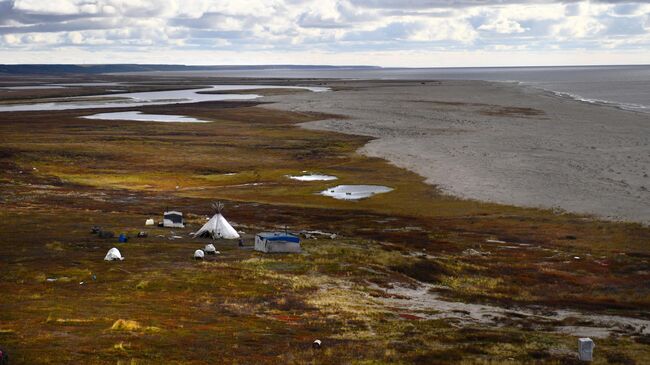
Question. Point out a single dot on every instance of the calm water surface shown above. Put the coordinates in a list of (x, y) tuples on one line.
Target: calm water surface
[(624, 86)]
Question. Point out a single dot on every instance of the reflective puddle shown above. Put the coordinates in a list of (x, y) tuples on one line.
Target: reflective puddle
[(355, 192), (312, 177), (139, 116)]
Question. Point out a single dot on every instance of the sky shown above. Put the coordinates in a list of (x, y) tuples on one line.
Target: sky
[(393, 33)]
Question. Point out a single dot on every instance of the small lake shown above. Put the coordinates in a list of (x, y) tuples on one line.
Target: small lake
[(355, 192), (83, 84), (313, 177), (128, 100), (139, 116), (35, 87)]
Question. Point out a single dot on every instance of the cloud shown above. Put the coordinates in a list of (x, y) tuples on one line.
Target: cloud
[(503, 26), (342, 27)]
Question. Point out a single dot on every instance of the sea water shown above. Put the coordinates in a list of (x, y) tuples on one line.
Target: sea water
[(627, 87)]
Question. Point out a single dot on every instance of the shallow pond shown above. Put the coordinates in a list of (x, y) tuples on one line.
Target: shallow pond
[(312, 177), (355, 192), (75, 84), (139, 116), (127, 100), (35, 87)]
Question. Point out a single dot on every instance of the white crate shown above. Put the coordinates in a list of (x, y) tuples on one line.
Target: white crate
[(586, 349)]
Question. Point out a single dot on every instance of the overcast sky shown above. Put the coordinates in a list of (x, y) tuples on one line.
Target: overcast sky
[(410, 33)]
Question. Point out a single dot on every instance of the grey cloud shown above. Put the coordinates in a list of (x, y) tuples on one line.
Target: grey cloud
[(623, 26), (571, 10), (68, 26), (347, 17), (206, 21), (387, 25), (432, 4), (212, 34), (391, 32), (309, 20), (626, 9), (438, 13), (8, 13)]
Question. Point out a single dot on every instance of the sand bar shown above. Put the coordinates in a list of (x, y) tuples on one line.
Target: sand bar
[(498, 142)]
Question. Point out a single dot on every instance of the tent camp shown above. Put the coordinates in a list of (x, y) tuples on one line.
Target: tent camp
[(271, 242), (217, 226), (173, 219), (113, 254)]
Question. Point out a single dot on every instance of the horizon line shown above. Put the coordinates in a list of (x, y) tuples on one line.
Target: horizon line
[(317, 65)]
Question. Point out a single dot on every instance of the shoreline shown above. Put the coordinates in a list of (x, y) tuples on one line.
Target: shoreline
[(629, 107), (462, 137)]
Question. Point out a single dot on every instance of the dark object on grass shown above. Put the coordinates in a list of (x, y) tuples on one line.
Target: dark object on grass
[(570, 237), (241, 242), (316, 344), (142, 234), (123, 238), (4, 358), (95, 229), (173, 219), (105, 234)]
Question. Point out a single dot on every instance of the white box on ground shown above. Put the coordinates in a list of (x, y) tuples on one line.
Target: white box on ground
[(586, 349)]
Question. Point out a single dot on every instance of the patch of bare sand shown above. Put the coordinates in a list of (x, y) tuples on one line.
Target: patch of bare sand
[(498, 142), (422, 301)]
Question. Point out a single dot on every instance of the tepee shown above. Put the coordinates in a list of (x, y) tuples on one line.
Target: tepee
[(217, 226)]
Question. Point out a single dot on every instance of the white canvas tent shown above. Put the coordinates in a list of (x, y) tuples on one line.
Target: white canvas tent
[(113, 254), (210, 249), (217, 227)]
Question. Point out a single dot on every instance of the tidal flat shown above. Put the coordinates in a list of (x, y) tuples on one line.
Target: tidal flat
[(414, 275)]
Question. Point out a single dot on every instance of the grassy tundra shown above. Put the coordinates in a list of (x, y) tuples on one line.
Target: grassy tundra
[(361, 292)]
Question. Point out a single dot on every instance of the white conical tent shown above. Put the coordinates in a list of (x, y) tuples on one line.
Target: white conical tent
[(218, 227)]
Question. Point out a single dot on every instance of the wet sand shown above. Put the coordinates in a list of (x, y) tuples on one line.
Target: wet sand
[(497, 142)]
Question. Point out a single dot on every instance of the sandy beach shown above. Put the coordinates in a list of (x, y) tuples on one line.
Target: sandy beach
[(497, 142)]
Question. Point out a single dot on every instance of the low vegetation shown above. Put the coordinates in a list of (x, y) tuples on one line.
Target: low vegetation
[(61, 303)]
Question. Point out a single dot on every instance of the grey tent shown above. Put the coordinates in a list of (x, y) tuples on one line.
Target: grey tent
[(173, 219), (272, 242)]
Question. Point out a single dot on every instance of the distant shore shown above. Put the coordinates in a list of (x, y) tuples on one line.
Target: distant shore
[(498, 142)]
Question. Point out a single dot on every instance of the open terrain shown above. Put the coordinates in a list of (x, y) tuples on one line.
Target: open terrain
[(410, 276), (500, 142)]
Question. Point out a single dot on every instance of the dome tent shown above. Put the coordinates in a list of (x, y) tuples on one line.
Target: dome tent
[(210, 249), (217, 226), (113, 254), (199, 254)]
